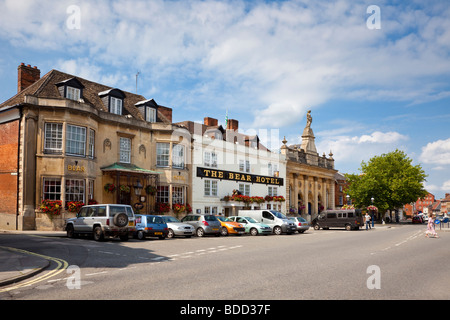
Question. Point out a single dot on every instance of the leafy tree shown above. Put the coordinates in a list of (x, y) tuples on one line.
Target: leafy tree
[(390, 179)]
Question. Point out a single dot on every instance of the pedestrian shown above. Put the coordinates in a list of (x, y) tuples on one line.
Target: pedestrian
[(431, 230), (367, 216)]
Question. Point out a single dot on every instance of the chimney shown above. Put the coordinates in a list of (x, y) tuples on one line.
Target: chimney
[(232, 124), (210, 122), (27, 75)]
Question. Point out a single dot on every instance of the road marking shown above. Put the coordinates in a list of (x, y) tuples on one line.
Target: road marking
[(61, 266)]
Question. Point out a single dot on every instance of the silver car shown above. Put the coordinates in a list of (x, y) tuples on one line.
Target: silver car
[(203, 224), (301, 223), (178, 228)]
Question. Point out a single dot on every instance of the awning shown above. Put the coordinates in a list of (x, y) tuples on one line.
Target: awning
[(129, 168)]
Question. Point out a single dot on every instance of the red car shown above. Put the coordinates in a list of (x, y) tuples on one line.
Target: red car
[(417, 219)]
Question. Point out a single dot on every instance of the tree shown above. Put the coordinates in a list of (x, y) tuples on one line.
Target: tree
[(390, 179)]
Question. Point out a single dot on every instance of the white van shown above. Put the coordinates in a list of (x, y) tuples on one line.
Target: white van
[(276, 220)]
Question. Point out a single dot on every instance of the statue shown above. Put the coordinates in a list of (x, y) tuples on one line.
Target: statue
[(308, 119)]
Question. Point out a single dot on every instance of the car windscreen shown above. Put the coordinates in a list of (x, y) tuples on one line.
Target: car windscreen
[(278, 214), (224, 219), (251, 220)]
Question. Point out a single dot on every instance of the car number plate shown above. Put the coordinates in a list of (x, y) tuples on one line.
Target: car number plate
[(131, 223), (215, 229), (158, 233)]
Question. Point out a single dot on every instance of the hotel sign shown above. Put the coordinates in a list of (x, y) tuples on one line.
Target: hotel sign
[(237, 176)]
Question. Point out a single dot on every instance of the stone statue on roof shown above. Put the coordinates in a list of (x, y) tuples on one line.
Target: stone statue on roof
[(308, 119)]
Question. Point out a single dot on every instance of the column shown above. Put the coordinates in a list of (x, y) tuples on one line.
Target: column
[(294, 194), (305, 196), (315, 199), (332, 195), (324, 194)]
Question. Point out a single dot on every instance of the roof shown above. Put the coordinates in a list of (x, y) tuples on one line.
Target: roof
[(125, 167), (46, 87)]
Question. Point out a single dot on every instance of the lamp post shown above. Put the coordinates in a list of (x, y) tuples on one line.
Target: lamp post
[(138, 188), (373, 220), (348, 199)]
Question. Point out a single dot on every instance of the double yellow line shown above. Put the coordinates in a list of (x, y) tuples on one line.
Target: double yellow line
[(61, 266)]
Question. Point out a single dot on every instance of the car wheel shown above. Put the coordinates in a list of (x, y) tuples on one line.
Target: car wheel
[(316, 227), (348, 227), (121, 219), (98, 234), (141, 235), (70, 231), (170, 234), (224, 231), (253, 232), (200, 232), (277, 230)]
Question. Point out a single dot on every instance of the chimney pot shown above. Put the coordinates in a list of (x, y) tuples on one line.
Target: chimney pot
[(27, 76), (233, 124)]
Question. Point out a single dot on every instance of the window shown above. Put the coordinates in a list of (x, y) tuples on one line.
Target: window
[(75, 140), (162, 196), (210, 159), (91, 143), (177, 195), (244, 189), (210, 210), (75, 190), (178, 156), (210, 188), (244, 165), (115, 105), (273, 191), (272, 169), (90, 190), (125, 150), (150, 114), (52, 189), (73, 93), (162, 154), (53, 137)]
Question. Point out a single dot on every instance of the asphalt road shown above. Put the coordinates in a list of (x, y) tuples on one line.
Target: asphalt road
[(384, 263)]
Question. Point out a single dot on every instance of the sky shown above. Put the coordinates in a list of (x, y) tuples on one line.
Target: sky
[(375, 74)]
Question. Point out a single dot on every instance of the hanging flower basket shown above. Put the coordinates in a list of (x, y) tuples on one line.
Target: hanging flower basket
[(372, 208), (110, 187), (151, 190), (162, 207), (124, 188), (178, 208), (52, 207)]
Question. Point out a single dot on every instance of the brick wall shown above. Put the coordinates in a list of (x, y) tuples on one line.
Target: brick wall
[(9, 145)]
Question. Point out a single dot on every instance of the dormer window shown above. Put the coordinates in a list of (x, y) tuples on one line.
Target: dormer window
[(113, 100), (148, 109), (71, 89)]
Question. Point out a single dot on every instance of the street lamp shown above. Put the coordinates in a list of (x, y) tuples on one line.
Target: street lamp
[(348, 199), (138, 188)]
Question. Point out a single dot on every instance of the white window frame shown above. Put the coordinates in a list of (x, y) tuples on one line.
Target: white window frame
[(163, 194), (53, 137), (272, 191), (210, 159), (91, 143), (75, 140), (178, 156), (124, 150), (210, 188), (115, 105), (244, 189), (177, 195), (150, 114), (73, 93), (75, 190), (244, 166), (162, 154), (52, 185)]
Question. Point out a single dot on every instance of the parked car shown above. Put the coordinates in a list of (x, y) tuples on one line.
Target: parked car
[(203, 224), (348, 219), (178, 228), (276, 220), (301, 223), (102, 220), (252, 226), (230, 227), (417, 219), (150, 226)]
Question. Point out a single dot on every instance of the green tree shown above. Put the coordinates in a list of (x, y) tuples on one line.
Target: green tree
[(390, 179)]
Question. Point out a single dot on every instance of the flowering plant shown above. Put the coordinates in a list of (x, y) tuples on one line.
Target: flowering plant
[(278, 198), (92, 201), (74, 206), (110, 187), (346, 206), (188, 208), (51, 206), (178, 208), (372, 208), (162, 207)]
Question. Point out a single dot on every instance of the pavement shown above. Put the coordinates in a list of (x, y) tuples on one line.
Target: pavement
[(17, 265)]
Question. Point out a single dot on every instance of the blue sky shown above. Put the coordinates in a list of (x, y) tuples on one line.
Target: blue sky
[(265, 62)]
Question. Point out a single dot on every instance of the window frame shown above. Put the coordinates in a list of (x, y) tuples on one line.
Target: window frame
[(69, 141), (124, 153), (161, 160), (53, 144), (114, 108)]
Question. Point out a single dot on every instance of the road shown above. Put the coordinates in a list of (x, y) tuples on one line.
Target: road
[(384, 263)]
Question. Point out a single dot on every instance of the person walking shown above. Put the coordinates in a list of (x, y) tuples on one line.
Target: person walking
[(431, 230), (368, 218)]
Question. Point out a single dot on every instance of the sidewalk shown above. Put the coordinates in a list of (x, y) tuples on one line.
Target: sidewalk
[(17, 265)]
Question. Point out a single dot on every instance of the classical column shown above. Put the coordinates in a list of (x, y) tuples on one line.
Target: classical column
[(295, 191), (332, 195), (315, 198), (324, 194), (305, 195)]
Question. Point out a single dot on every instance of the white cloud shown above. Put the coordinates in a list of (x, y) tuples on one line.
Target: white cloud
[(437, 152)]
